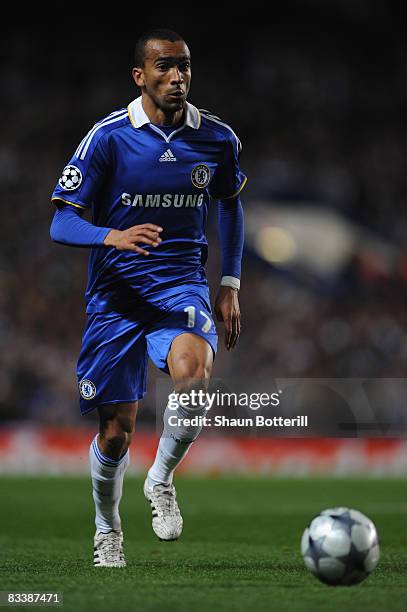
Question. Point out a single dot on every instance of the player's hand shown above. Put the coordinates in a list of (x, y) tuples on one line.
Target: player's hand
[(227, 310), (129, 239)]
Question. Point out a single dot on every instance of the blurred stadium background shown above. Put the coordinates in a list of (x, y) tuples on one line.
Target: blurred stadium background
[(318, 99)]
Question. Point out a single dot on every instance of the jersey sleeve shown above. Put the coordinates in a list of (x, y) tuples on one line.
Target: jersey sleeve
[(82, 177), (228, 180)]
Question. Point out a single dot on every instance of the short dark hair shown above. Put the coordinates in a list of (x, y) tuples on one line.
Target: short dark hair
[(153, 34)]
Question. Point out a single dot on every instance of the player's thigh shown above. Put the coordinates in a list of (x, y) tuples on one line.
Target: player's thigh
[(190, 359), (183, 343)]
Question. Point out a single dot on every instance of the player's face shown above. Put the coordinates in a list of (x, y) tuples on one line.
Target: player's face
[(166, 74)]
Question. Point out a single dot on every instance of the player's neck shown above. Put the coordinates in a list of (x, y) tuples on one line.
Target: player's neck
[(157, 115)]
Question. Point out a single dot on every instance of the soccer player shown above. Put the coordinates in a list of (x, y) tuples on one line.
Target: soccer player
[(149, 173)]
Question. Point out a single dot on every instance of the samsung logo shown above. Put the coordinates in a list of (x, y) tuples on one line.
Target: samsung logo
[(163, 199)]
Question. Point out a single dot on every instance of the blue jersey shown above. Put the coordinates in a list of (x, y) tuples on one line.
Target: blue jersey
[(130, 172)]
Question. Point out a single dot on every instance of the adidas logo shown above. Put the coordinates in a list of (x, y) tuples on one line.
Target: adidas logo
[(167, 156)]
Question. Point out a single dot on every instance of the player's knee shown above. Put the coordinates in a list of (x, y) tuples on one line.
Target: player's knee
[(115, 444), (117, 434), (193, 372), (117, 424)]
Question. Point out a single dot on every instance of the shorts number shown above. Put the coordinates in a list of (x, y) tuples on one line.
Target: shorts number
[(191, 310), (191, 315)]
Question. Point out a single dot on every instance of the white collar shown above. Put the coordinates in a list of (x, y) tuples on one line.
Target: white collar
[(138, 116)]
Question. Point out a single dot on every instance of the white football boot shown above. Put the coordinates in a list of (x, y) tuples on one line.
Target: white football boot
[(167, 520), (108, 549)]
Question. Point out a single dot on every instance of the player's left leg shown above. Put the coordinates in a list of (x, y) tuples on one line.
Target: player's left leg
[(190, 362)]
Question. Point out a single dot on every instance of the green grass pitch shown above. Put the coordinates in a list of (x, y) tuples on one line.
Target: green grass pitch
[(239, 549)]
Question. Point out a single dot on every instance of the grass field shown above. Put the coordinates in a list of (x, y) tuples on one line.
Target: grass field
[(239, 549)]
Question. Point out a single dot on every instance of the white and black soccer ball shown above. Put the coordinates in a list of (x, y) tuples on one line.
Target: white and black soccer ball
[(340, 546), (71, 178)]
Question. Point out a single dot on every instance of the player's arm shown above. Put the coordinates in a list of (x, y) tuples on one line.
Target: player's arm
[(69, 228), (227, 310), (80, 183), (225, 187)]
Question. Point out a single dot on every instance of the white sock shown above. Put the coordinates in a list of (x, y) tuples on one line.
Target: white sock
[(107, 480), (174, 444), (170, 453)]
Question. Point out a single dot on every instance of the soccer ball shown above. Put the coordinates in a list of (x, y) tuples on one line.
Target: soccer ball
[(340, 546)]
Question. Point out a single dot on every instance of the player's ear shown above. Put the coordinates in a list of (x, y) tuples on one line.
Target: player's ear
[(138, 76)]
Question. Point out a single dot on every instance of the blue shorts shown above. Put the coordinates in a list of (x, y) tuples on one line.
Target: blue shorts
[(112, 365)]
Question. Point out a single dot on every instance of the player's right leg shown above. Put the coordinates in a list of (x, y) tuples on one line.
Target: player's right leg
[(109, 459), (112, 369)]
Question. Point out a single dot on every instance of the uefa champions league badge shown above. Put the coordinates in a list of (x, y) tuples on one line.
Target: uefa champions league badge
[(87, 389), (71, 178), (200, 176)]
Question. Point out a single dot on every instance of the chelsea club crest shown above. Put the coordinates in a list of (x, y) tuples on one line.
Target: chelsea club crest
[(87, 389), (200, 176)]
